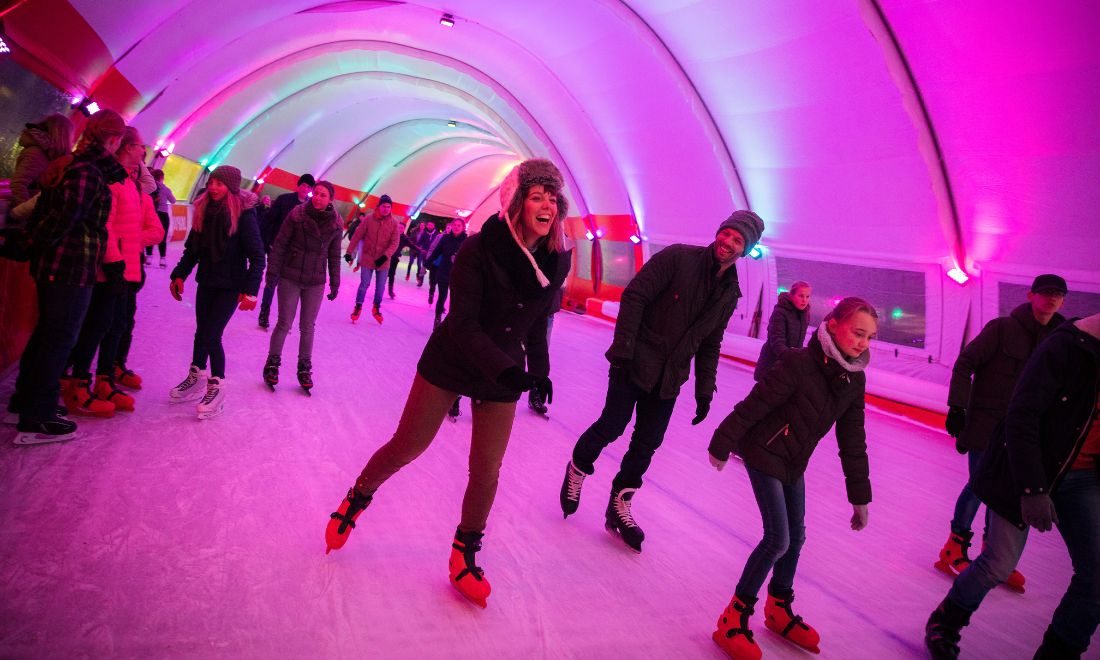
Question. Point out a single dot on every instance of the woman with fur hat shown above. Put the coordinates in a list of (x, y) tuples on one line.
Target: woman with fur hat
[(225, 244), (775, 431), (308, 241), (502, 283)]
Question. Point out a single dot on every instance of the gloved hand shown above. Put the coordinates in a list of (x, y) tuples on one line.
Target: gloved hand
[(516, 379), (176, 289), (1038, 511), (379, 261), (702, 409), (246, 303), (331, 294), (956, 421), (859, 516), (718, 464), (348, 258), (544, 386), (113, 271), (960, 447), (619, 371)]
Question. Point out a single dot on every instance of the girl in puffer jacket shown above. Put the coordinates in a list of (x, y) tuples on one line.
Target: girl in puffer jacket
[(775, 431)]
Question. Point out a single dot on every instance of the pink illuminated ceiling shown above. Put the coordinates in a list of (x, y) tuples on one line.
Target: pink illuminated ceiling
[(907, 130)]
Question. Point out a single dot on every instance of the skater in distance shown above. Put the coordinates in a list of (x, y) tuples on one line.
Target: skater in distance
[(375, 242), (786, 327), (775, 430), (308, 245), (270, 224), (491, 347), (225, 244), (676, 308)]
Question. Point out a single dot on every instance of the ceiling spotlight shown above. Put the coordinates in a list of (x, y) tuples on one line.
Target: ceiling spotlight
[(589, 235), (260, 181), (463, 213), (452, 123), (93, 107), (635, 239), (447, 20), (757, 251), (4, 47), (85, 105), (958, 274)]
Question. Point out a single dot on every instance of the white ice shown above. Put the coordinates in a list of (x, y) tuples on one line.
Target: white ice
[(155, 534)]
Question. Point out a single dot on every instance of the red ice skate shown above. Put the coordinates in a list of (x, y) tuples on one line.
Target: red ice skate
[(376, 312), (779, 618), (342, 521), (356, 312), (953, 559), (733, 635), (466, 576)]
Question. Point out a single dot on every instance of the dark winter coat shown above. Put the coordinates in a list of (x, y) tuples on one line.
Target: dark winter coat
[(272, 220), (425, 236), (38, 150), (497, 318), (779, 424), (786, 330), (304, 246), (675, 309), (1046, 424), (995, 359), (443, 256), (241, 267)]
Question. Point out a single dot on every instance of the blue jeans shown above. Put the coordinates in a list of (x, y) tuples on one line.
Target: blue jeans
[(1077, 503), (783, 512), (61, 310), (649, 430), (966, 508), (365, 275)]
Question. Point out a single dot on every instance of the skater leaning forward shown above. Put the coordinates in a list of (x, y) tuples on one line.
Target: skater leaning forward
[(775, 431), (674, 309), (503, 281), (308, 243), (224, 242)]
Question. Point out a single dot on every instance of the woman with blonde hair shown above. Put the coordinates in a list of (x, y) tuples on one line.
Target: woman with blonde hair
[(502, 283), (42, 142), (786, 327), (225, 244)]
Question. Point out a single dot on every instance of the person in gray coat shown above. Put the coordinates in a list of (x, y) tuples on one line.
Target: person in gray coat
[(981, 385), (308, 241), (676, 308), (786, 327)]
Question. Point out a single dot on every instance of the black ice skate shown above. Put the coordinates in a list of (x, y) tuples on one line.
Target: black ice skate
[(271, 371), (571, 489), (305, 375), (536, 401), (57, 429), (943, 630), (620, 522), (455, 411)]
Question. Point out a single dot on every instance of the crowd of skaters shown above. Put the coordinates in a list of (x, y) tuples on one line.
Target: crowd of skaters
[(1023, 399)]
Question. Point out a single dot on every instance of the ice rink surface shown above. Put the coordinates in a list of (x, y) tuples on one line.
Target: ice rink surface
[(157, 535)]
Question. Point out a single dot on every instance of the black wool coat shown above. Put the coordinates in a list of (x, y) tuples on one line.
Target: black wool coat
[(1046, 424), (776, 428), (994, 359), (497, 318), (442, 258), (242, 266), (786, 329), (272, 220), (675, 309)]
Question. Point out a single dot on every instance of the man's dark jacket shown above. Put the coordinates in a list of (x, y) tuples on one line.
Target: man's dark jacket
[(1046, 425), (675, 309)]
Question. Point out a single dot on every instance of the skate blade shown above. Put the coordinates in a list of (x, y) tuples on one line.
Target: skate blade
[(270, 386), (1013, 589), (614, 532), (36, 439), (946, 569), (482, 602), (203, 416)]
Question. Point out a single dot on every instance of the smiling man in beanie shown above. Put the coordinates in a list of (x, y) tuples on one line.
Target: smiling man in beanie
[(676, 308), (270, 224)]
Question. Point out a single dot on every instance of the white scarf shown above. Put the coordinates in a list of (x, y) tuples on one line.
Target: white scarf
[(828, 346), (543, 282)]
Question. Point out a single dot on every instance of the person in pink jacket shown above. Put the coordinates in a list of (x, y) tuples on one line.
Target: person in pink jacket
[(131, 225), (376, 238)]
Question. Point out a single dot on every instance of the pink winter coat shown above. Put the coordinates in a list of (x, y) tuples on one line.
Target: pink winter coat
[(132, 225)]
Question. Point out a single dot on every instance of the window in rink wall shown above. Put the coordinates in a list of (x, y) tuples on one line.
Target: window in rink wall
[(1078, 303), (617, 261), (897, 295), (24, 98), (583, 255)]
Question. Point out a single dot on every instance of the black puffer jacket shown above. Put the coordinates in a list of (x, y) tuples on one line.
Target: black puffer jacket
[(673, 310), (497, 318), (241, 268), (786, 330), (442, 258), (1046, 424), (305, 246), (995, 359), (778, 425)]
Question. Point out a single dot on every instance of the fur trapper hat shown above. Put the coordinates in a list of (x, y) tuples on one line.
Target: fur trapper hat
[(532, 172)]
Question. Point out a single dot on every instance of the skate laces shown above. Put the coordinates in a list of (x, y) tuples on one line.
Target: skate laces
[(211, 394), (576, 480), (188, 382), (622, 508)]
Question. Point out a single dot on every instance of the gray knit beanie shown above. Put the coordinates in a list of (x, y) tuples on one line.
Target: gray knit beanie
[(228, 175), (746, 223)]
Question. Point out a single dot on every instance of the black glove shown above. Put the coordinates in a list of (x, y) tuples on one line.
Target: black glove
[(619, 371), (379, 261), (348, 258), (113, 271), (956, 421), (517, 379), (961, 447), (331, 294), (1038, 511), (545, 387), (702, 409)]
